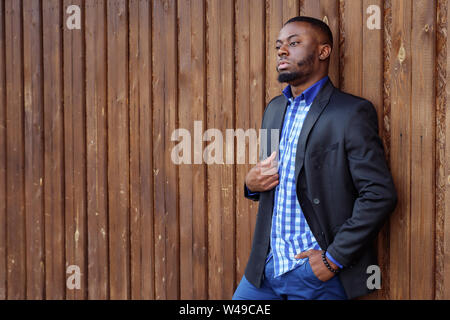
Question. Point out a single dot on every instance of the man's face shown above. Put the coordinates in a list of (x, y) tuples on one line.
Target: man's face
[(297, 51)]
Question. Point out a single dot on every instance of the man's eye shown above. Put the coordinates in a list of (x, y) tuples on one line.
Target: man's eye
[(277, 47), (293, 44)]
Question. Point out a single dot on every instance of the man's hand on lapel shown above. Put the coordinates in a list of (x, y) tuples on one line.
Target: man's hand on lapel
[(318, 267), (263, 176)]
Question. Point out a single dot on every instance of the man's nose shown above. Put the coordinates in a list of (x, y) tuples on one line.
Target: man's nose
[(283, 51)]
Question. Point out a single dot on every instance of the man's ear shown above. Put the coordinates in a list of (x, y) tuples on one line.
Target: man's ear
[(324, 51)]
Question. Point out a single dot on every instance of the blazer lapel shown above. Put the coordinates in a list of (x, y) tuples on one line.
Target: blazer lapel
[(318, 105)]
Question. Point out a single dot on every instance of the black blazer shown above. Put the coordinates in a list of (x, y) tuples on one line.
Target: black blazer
[(343, 183)]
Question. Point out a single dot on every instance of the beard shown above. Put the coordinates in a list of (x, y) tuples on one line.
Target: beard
[(299, 74)]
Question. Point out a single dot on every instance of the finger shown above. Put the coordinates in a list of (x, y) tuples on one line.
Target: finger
[(274, 164), (303, 255), (269, 171), (269, 160), (273, 155), (271, 180), (263, 163), (273, 185)]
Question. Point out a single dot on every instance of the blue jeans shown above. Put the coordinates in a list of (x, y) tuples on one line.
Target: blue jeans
[(297, 284)]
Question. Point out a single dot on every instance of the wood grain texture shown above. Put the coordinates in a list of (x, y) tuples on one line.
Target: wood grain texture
[(75, 151), (384, 237), (96, 151), (54, 151), (192, 178), (372, 90), (141, 177), (15, 171), (423, 182), (445, 192), (199, 220), (441, 269), (165, 172), (220, 177), (3, 246), (400, 245), (34, 149), (118, 149), (446, 170)]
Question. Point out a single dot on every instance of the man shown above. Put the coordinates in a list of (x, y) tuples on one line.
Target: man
[(320, 211)]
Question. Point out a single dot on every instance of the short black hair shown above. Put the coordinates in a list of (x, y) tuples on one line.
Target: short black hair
[(315, 23)]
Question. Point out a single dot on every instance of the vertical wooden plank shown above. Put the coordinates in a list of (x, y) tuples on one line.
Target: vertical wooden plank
[(118, 149), (400, 245), (186, 183), (422, 153), (446, 170), (441, 181), (442, 280), (171, 185), (250, 49), (146, 158), (135, 208), (192, 177), (15, 213), (385, 129), (327, 11), (165, 119), (55, 283), (141, 192), (34, 149), (423, 150), (199, 219), (158, 150), (372, 90), (221, 177), (3, 271), (96, 151), (352, 26), (75, 151)]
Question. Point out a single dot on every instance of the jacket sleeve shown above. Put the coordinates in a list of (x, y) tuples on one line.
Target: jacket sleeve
[(251, 195), (377, 197)]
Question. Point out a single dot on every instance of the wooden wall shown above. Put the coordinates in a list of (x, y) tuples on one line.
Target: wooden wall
[(86, 119)]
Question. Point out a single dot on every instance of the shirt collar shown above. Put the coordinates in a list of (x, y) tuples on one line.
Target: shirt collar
[(309, 94)]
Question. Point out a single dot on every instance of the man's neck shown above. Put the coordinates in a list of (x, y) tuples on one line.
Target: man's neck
[(298, 88)]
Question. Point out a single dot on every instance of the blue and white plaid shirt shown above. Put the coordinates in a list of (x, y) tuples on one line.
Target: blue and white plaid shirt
[(290, 233)]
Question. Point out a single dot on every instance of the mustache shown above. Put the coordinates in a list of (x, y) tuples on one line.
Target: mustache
[(307, 61)]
